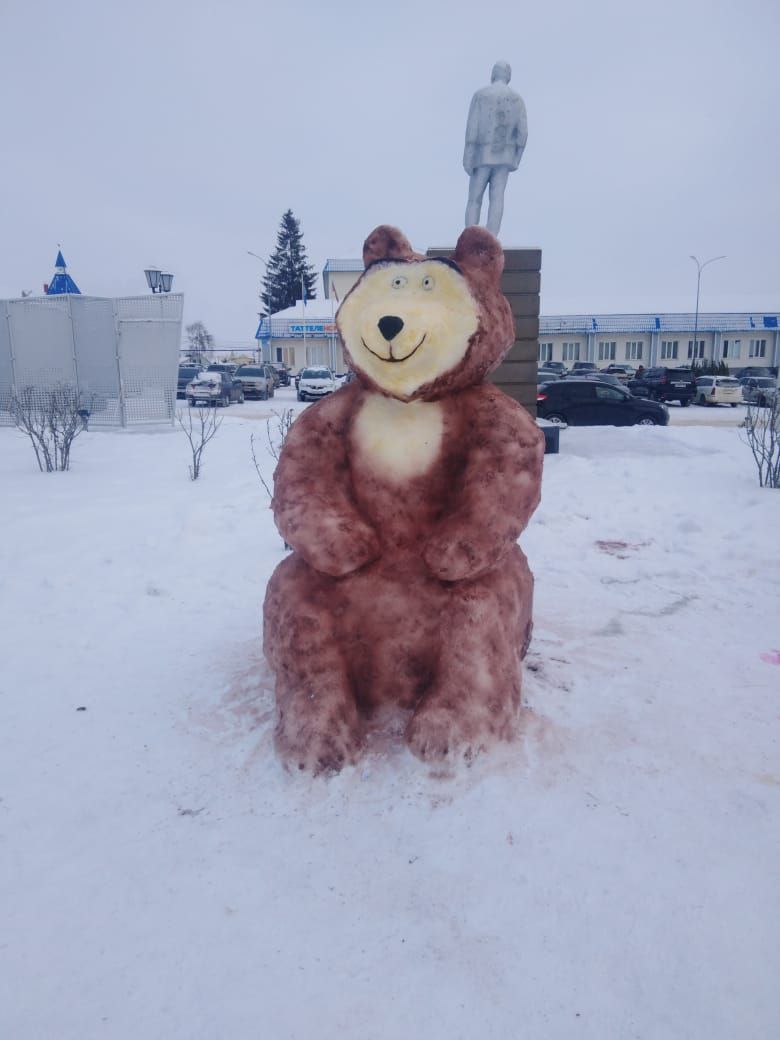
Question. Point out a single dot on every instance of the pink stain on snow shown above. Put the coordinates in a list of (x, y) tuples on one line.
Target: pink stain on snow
[(771, 656)]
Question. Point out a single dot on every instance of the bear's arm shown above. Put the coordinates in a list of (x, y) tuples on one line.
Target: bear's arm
[(498, 490), (313, 504)]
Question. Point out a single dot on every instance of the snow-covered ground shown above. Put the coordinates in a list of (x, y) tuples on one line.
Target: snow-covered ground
[(613, 875)]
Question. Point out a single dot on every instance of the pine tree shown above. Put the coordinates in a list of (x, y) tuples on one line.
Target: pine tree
[(287, 268)]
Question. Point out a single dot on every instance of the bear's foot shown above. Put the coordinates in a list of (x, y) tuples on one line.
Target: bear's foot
[(455, 730), (318, 737)]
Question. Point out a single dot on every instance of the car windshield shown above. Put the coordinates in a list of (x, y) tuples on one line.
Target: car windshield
[(315, 373), (247, 370), (188, 373), (727, 382), (766, 382)]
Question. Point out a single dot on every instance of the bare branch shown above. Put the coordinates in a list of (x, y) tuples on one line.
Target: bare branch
[(268, 491), (762, 435), (198, 432), (51, 418), (276, 430)]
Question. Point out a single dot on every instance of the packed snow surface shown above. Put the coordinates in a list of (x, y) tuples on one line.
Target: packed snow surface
[(614, 874)]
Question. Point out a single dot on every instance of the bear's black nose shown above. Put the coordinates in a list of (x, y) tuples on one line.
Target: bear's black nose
[(390, 326)]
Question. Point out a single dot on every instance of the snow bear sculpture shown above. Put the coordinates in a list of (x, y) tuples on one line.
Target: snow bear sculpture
[(402, 496)]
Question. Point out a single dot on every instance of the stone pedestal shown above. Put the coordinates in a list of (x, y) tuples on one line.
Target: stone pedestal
[(520, 283)]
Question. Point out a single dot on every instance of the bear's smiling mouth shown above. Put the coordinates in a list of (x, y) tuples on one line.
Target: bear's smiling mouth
[(391, 358)]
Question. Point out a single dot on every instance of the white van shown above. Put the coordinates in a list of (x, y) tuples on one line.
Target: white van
[(718, 390)]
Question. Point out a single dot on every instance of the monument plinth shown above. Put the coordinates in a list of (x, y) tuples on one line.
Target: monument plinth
[(520, 283)]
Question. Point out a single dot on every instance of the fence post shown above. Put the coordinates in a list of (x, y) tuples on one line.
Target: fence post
[(11, 354), (73, 349), (118, 354)]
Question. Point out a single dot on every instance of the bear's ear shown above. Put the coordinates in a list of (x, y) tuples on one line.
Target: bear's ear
[(479, 254), (387, 243)]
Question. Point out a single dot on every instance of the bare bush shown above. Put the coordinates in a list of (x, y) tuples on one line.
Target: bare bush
[(198, 431), (276, 430), (52, 418), (762, 434)]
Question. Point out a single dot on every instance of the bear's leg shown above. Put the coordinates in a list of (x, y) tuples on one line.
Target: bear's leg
[(319, 728), (391, 633), (475, 695)]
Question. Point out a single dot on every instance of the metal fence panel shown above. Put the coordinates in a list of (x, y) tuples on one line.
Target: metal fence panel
[(42, 343), (120, 355), (97, 368)]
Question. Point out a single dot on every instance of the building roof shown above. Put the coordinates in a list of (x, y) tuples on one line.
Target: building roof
[(686, 322), (61, 283), (343, 265)]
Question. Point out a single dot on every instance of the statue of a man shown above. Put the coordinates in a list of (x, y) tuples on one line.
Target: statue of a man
[(496, 133)]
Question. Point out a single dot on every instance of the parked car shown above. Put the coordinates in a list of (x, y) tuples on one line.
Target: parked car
[(760, 390), (555, 366), (219, 366), (315, 383), (546, 373), (281, 372), (754, 370), (602, 377), (584, 366), (590, 402), (186, 374), (214, 388), (665, 384), (257, 380), (623, 372), (718, 390)]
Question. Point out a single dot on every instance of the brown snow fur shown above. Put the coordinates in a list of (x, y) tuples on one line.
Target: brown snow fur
[(403, 495)]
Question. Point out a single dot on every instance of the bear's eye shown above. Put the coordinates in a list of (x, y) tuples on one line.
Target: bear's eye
[(398, 282), (428, 282)]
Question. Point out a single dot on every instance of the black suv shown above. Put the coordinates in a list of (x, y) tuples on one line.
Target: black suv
[(665, 384), (186, 374), (590, 402), (281, 373)]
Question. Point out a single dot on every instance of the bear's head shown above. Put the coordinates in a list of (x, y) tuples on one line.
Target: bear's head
[(417, 328)]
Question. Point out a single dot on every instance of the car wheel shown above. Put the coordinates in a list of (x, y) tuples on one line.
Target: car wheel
[(646, 420), (556, 418), (685, 402), (300, 397), (241, 397), (762, 402), (702, 400), (733, 404), (190, 403)]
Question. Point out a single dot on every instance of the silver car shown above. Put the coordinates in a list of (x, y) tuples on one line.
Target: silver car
[(257, 380), (760, 390)]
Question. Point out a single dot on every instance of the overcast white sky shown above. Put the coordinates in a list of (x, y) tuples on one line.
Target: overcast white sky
[(176, 133)]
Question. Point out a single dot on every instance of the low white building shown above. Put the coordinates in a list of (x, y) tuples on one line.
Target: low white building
[(660, 339)]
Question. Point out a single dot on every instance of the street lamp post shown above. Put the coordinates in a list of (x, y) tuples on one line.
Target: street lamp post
[(158, 281), (700, 267)]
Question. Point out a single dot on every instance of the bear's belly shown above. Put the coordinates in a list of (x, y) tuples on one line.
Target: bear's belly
[(398, 441)]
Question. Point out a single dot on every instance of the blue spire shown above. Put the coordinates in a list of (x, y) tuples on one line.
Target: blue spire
[(62, 283)]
